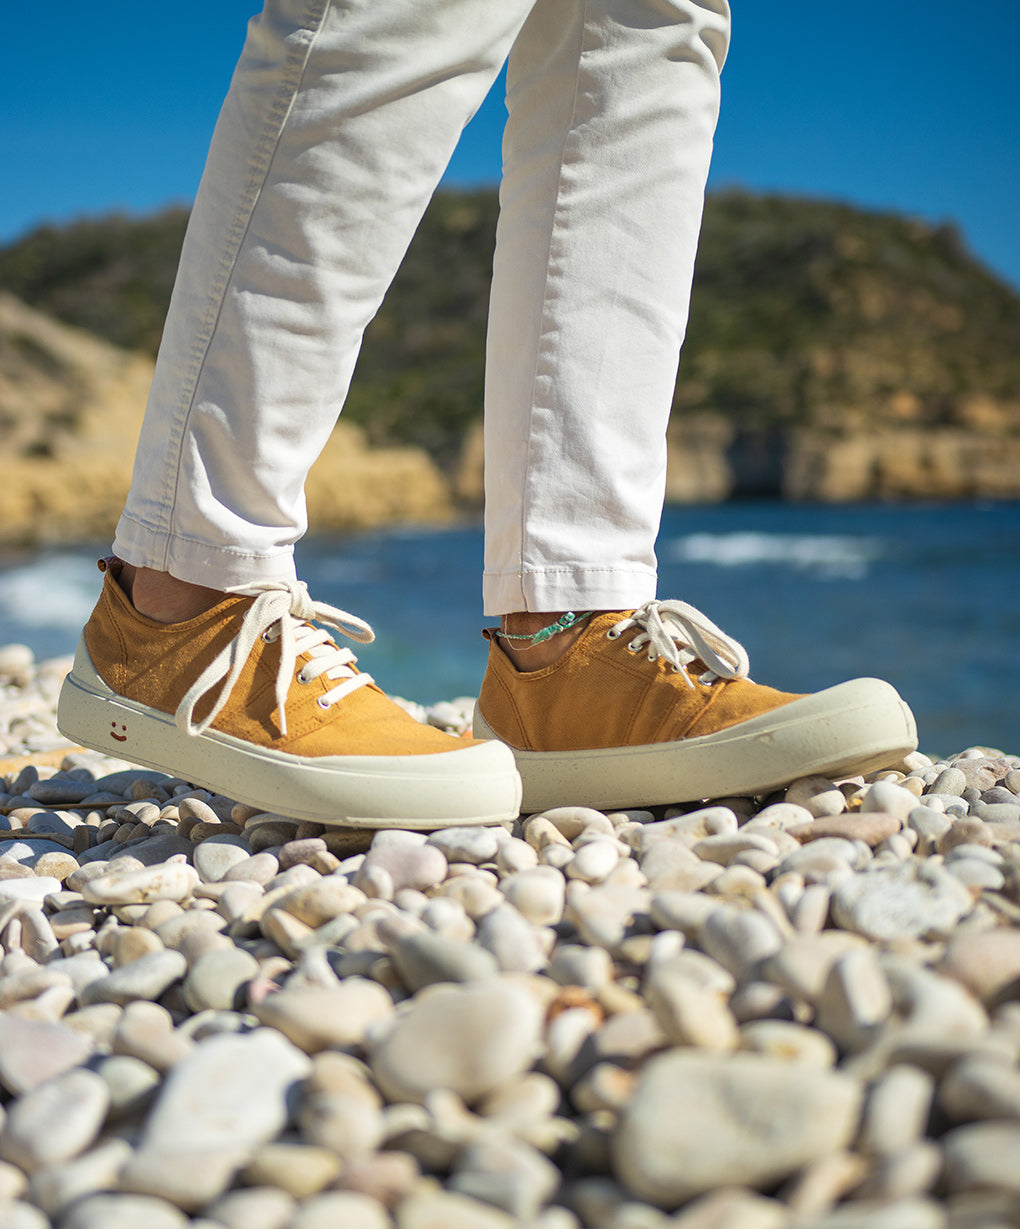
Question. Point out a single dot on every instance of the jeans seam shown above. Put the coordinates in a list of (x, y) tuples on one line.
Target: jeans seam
[(569, 569), (186, 539), (526, 497), (262, 159)]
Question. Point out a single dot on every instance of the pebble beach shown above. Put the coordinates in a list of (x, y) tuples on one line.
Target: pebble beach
[(800, 1011)]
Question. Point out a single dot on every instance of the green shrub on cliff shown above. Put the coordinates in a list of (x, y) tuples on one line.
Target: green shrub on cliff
[(803, 312)]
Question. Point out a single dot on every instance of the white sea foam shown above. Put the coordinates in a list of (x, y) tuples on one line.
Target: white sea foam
[(829, 556), (54, 591)]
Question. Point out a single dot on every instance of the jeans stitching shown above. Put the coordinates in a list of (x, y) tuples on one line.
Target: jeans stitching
[(543, 319)]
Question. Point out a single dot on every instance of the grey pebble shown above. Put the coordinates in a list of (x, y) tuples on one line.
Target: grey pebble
[(34, 1051), (217, 855), (229, 1094), (424, 958), (911, 899), (216, 981), (749, 1120), (470, 1039), (982, 1156), (145, 978), (123, 1211), (55, 1120), (475, 845)]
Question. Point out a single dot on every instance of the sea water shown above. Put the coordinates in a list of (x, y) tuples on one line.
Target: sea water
[(924, 595)]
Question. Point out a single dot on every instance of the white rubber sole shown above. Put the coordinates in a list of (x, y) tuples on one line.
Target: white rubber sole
[(854, 727), (470, 785)]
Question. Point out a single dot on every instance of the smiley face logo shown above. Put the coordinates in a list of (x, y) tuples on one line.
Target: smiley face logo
[(122, 737)]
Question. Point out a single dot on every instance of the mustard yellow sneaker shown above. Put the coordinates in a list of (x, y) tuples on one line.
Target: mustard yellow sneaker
[(251, 700), (654, 706)]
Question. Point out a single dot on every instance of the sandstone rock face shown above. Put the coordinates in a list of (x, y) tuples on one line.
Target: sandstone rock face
[(70, 409), (849, 458), (904, 462)]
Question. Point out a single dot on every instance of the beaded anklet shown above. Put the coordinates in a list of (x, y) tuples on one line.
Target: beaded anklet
[(562, 624)]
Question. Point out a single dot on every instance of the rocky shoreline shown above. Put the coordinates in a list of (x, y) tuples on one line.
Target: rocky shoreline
[(793, 1012)]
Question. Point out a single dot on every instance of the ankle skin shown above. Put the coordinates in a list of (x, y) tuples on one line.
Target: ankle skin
[(164, 598), (528, 658)]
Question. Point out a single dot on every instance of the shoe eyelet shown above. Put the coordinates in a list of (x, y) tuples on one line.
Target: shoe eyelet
[(613, 634), (300, 677), (631, 648), (323, 703)]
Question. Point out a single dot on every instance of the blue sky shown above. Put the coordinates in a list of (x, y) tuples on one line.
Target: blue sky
[(911, 106)]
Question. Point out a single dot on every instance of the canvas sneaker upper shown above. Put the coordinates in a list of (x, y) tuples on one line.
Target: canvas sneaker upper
[(660, 673)]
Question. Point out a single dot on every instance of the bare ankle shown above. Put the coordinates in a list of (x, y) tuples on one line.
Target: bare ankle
[(163, 597), (527, 657)]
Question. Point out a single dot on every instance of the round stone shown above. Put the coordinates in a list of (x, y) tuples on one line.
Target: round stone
[(218, 854), (688, 1013), (738, 938), (512, 939), (470, 1039), (889, 797), (908, 900), (474, 845), (146, 978), (130, 1081), (594, 861), (979, 1087), (55, 1121), (165, 881), (347, 1208), (818, 795), (318, 1018), (785, 1039), (871, 827), (747, 1120), (982, 1156), (896, 1110), (538, 894), (256, 1207), (987, 962), (217, 979), (219, 1102), (425, 957), (408, 864), (34, 1051), (122, 1211)]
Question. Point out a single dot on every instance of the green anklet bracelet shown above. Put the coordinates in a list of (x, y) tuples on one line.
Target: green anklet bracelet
[(562, 624)]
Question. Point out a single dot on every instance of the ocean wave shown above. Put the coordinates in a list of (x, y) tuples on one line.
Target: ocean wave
[(828, 556), (53, 591)]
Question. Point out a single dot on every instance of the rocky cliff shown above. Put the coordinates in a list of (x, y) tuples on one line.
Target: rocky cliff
[(70, 409), (833, 354)]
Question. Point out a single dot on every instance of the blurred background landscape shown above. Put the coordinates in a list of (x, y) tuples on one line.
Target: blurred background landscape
[(833, 354)]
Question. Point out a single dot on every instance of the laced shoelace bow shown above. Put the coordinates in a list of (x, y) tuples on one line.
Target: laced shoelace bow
[(681, 634), (282, 611)]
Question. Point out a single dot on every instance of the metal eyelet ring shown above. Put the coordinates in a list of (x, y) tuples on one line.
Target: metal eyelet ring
[(631, 647), (301, 678), (323, 703), (613, 634)]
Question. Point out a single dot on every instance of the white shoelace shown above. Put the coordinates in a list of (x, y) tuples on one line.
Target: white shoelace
[(282, 611), (682, 634)]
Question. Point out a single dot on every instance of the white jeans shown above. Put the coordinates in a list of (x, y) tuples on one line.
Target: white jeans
[(339, 122)]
